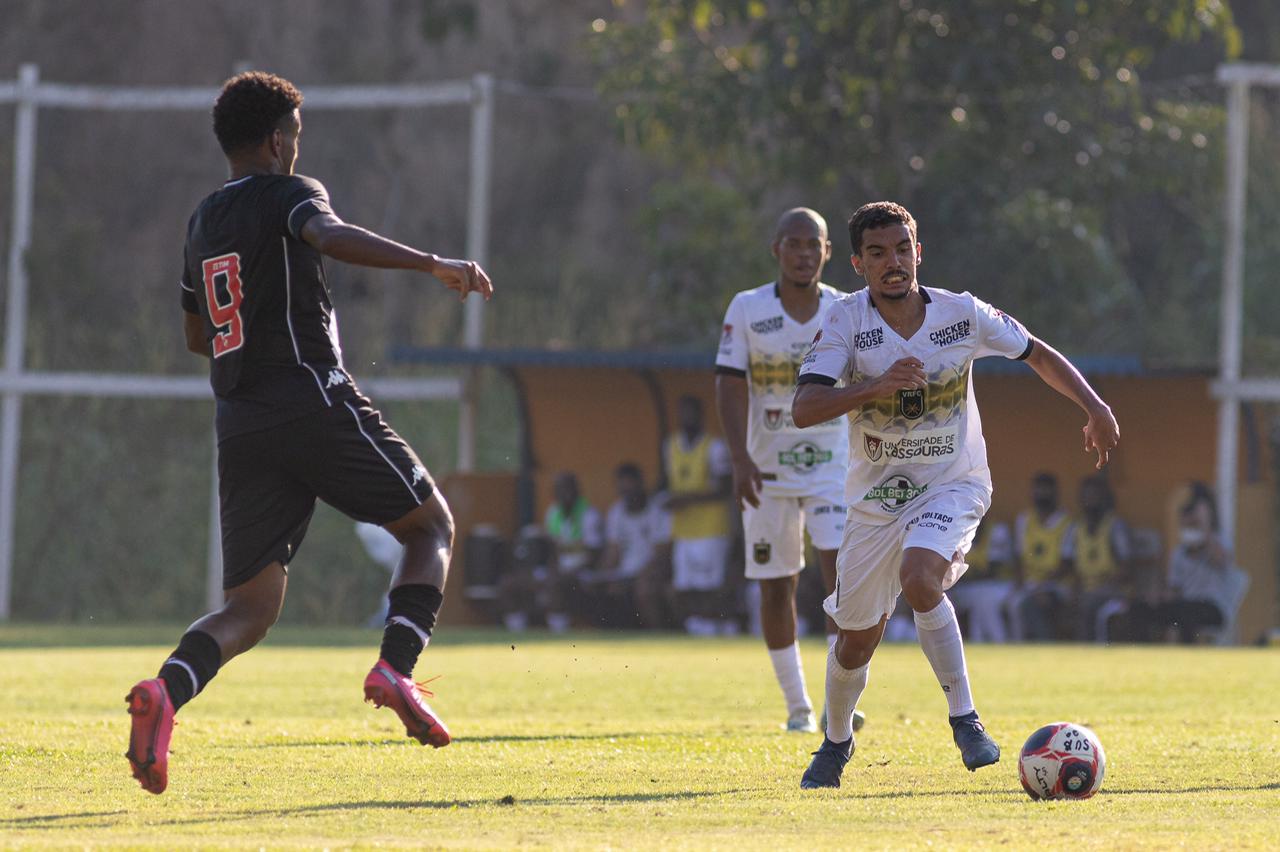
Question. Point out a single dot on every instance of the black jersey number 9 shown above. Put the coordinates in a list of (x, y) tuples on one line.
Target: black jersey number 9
[(223, 290)]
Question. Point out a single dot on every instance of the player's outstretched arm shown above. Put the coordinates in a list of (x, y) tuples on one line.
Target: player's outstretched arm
[(816, 403), (732, 403), (334, 238), (1101, 432)]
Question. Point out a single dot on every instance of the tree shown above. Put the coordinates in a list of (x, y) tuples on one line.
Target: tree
[(1047, 171)]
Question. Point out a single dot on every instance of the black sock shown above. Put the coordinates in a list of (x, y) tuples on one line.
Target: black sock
[(401, 644), (198, 656)]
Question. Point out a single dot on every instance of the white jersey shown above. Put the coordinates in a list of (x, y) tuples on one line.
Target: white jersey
[(765, 345), (915, 441)]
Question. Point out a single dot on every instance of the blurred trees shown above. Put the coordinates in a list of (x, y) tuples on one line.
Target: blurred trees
[(1063, 158)]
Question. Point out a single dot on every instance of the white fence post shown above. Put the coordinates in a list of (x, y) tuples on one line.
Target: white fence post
[(477, 250), (1232, 307), (24, 166)]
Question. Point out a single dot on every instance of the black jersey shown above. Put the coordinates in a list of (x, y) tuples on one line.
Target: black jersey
[(262, 294)]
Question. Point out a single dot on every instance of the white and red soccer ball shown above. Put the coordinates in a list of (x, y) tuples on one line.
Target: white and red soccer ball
[(1062, 761)]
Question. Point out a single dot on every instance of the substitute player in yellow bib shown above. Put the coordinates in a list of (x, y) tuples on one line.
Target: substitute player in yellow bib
[(895, 358)]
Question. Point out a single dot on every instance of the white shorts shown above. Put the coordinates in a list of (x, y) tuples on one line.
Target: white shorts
[(698, 564), (775, 540), (868, 575)]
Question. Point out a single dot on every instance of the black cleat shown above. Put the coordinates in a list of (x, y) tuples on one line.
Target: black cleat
[(827, 765), (977, 749)]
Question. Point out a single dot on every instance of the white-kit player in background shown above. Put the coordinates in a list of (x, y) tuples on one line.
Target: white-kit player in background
[(782, 478), (896, 357)]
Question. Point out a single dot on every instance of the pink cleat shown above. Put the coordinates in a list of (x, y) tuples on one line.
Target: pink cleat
[(386, 687), (148, 753)]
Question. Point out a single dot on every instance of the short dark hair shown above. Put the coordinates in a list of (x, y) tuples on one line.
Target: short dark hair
[(629, 470), (876, 215), (1198, 493), (249, 107)]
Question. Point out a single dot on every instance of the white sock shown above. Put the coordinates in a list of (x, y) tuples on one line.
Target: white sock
[(940, 639), (786, 667), (844, 688)]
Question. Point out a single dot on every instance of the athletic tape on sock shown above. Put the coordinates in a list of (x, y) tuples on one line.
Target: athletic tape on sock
[(422, 634), (191, 673)]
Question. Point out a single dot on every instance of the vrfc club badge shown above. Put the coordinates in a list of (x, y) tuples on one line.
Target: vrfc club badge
[(911, 403)]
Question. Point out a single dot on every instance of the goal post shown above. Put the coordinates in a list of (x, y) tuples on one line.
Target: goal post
[(28, 95)]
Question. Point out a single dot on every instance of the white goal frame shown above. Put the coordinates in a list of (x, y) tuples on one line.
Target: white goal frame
[(1230, 388), (16, 382)]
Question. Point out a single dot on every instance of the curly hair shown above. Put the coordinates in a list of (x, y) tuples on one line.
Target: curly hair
[(249, 107), (878, 214)]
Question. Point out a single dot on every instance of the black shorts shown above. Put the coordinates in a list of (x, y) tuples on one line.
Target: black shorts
[(268, 482)]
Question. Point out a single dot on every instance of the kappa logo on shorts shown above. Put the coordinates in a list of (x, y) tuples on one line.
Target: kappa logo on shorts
[(336, 377), (874, 446), (911, 403), (895, 493), (761, 552), (419, 474)]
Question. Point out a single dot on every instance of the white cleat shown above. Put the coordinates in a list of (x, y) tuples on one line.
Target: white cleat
[(802, 722)]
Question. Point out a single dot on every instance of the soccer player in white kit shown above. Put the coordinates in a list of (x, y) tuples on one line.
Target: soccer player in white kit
[(896, 357), (782, 477)]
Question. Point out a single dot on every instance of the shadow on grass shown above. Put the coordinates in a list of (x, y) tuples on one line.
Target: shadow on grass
[(64, 821), (55, 820), (1206, 788), (496, 738)]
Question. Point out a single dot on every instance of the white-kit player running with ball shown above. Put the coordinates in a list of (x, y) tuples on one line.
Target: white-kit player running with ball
[(896, 358), (782, 476)]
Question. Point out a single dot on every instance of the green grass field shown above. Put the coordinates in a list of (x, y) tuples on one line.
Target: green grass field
[(636, 742)]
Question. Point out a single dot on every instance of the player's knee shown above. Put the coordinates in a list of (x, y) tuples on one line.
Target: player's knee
[(853, 649), (430, 524), (920, 587)]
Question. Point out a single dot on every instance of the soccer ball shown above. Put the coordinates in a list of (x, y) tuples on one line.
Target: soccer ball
[(1062, 761)]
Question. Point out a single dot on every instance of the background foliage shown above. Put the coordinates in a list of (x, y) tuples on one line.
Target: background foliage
[(1064, 159)]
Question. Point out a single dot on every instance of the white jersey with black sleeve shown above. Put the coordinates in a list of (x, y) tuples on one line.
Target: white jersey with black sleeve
[(915, 441), (763, 344)]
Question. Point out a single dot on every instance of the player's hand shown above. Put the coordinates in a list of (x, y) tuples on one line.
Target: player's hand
[(1101, 434), (463, 277), (905, 374), (747, 483)]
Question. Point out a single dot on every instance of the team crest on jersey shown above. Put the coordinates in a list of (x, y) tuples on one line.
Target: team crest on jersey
[(773, 419), (873, 445), (761, 552), (911, 403)]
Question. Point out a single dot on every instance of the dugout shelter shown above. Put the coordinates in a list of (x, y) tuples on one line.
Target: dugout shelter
[(589, 411)]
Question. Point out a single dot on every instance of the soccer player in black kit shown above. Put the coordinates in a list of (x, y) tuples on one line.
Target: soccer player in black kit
[(291, 424)]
